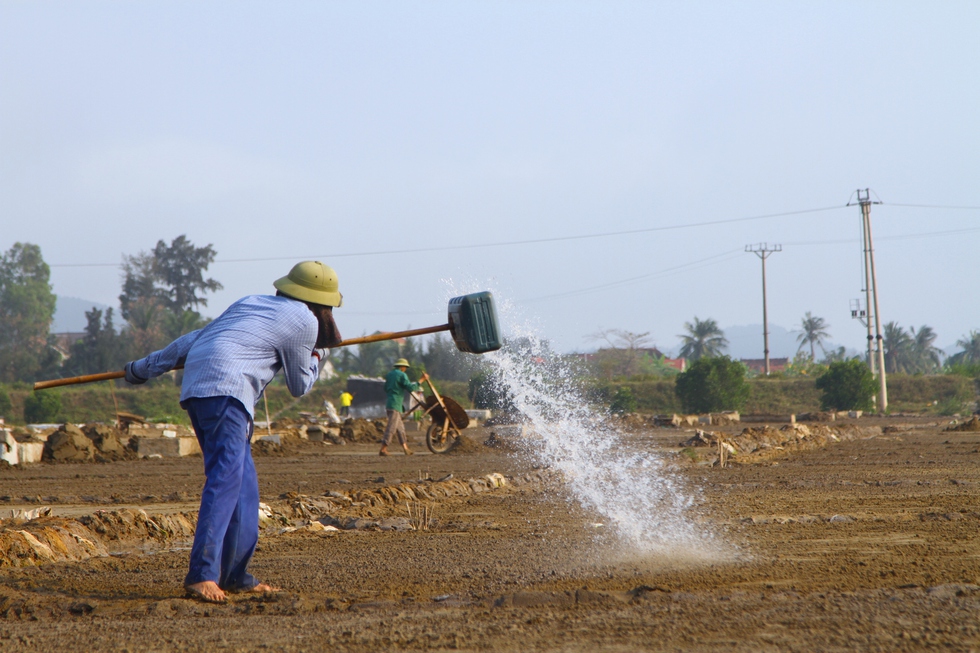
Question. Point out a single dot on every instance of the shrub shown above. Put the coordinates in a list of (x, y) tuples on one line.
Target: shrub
[(847, 385), (41, 407), (5, 404), (487, 392), (623, 401), (713, 384)]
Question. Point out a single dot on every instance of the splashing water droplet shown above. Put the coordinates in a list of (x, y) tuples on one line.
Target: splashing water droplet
[(643, 502)]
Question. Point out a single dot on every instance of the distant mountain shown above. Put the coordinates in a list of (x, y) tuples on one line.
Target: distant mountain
[(69, 314)]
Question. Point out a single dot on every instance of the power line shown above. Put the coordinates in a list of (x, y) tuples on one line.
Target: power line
[(933, 206), (923, 234), (505, 243), (711, 260)]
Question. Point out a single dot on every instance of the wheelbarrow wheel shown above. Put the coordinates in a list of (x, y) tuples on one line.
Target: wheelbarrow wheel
[(439, 439)]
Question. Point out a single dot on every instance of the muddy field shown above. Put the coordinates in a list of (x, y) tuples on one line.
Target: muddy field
[(867, 544)]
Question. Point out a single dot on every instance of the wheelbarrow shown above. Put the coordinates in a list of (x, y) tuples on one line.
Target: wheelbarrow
[(448, 420)]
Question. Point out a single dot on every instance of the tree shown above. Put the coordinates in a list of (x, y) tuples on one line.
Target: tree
[(834, 356), (161, 290), (847, 385), (172, 274), (926, 356), (703, 339), (101, 349), (899, 353), (971, 350), (713, 384), (813, 332), (26, 310), (5, 403), (444, 361), (624, 353)]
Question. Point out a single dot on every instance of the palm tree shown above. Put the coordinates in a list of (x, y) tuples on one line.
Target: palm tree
[(703, 339), (814, 331), (899, 354), (971, 350), (926, 355)]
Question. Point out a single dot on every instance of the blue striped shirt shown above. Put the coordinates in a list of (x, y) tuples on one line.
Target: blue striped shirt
[(237, 354)]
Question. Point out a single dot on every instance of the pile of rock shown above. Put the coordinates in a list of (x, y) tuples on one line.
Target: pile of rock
[(96, 442), (362, 430)]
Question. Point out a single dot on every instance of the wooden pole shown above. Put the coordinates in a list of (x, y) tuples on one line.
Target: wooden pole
[(377, 337)]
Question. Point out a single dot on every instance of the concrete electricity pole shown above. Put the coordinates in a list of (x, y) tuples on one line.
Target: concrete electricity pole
[(871, 293), (763, 251)]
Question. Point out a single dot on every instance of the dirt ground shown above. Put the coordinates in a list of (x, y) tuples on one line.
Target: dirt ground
[(863, 545)]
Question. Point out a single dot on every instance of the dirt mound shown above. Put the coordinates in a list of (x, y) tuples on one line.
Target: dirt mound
[(362, 430), (60, 539), (972, 424), (69, 444), (47, 539), (466, 445), (761, 443), (107, 443)]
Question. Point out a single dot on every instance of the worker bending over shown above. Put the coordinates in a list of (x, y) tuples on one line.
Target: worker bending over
[(227, 366)]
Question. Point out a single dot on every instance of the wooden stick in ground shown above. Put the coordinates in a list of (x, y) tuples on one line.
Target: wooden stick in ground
[(112, 391), (268, 420)]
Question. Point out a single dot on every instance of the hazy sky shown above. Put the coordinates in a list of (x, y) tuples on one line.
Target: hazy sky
[(291, 130)]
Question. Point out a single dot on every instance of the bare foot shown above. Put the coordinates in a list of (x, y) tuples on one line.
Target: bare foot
[(265, 588), (383, 452), (409, 452), (207, 591)]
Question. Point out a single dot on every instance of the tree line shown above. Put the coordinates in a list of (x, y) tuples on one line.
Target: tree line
[(162, 291)]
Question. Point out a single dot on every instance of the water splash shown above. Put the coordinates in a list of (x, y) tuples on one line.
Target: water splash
[(645, 504)]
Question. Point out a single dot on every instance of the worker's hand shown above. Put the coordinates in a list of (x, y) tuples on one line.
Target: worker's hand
[(131, 376), (423, 377)]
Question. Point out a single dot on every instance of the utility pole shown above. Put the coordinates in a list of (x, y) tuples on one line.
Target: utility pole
[(871, 295), (763, 251)]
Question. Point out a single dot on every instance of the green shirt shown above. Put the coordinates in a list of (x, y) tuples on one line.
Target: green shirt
[(396, 385)]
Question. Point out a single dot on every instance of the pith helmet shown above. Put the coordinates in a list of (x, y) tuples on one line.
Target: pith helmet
[(401, 362), (311, 281)]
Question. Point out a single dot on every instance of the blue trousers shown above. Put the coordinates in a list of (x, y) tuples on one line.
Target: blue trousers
[(228, 522)]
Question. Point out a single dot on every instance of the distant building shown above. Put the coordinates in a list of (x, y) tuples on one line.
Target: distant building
[(759, 364)]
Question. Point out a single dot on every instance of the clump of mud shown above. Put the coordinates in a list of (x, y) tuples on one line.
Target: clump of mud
[(362, 430), (972, 425), (97, 442), (466, 445)]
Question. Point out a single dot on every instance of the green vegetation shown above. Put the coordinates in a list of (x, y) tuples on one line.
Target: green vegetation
[(847, 385), (713, 384), (42, 407), (813, 331), (703, 340), (26, 310), (623, 401), (5, 403)]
